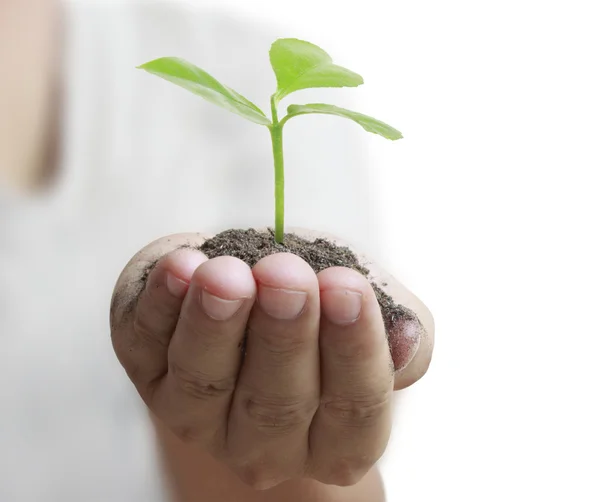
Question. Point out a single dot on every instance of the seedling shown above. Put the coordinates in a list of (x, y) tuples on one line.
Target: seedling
[(297, 65)]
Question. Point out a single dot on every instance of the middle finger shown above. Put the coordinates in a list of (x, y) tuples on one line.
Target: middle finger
[(278, 387), (204, 354)]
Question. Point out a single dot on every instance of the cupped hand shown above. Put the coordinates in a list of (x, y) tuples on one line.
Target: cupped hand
[(277, 372)]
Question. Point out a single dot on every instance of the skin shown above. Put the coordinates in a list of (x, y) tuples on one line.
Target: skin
[(307, 413), (308, 410)]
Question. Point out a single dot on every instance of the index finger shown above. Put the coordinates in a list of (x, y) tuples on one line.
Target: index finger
[(146, 304)]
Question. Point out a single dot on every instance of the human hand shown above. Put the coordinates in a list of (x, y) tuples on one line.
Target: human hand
[(309, 397)]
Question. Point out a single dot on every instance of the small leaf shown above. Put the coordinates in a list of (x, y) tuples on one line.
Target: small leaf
[(301, 65), (192, 78), (367, 123)]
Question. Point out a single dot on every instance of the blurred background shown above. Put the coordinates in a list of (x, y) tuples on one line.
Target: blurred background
[(487, 209)]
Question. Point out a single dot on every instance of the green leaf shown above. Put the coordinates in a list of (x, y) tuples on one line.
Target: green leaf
[(367, 123), (301, 65), (199, 82)]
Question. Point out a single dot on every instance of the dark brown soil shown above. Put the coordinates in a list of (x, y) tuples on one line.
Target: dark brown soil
[(250, 246)]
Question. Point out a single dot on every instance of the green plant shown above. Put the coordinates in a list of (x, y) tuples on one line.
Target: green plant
[(297, 65)]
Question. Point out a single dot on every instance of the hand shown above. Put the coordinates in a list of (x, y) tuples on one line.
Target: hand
[(306, 395)]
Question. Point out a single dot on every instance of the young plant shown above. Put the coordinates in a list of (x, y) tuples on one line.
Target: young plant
[(297, 65)]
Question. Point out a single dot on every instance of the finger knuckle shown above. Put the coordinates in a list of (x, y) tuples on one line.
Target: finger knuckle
[(145, 335), (275, 416), (201, 432), (347, 471), (349, 352), (356, 411), (211, 336), (187, 434), (198, 385), (281, 348), (258, 477)]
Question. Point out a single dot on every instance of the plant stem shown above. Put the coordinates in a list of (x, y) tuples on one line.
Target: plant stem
[(277, 140)]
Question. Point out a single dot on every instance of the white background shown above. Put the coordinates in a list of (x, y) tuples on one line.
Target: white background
[(489, 211)]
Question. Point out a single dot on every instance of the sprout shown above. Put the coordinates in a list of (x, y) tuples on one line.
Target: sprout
[(297, 65)]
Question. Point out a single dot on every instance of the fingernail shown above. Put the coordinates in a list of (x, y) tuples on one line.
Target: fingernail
[(341, 306), (218, 308), (283, 304), (176, 286)]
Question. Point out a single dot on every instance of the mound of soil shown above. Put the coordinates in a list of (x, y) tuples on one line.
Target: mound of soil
[(251, 246)]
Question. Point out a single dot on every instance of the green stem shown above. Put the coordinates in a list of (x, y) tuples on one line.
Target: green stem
[(277, 139), (288, 117)]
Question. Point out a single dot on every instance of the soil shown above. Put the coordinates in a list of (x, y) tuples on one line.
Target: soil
[(251, 246)]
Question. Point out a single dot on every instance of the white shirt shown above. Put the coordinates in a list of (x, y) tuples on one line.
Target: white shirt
[(140, 159)]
